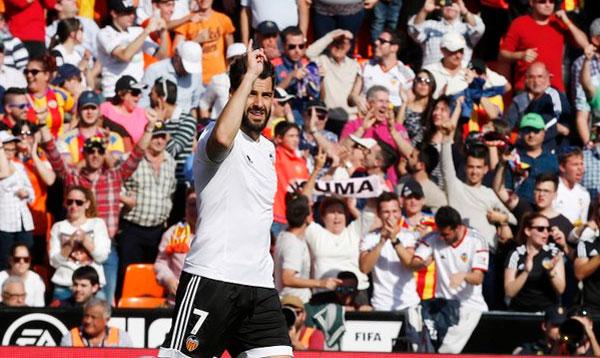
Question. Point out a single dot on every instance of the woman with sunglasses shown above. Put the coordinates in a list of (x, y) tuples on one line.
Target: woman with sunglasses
[(48, 104), (123, 109), (82, 239), (20, 265), (417, 104), (40, 174), (534, 274)]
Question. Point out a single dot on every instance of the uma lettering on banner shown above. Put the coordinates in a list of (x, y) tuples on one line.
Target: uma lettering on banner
[(360, 188), (370, 336)]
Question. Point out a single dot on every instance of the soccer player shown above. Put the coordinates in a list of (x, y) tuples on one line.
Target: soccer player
[(226, 297)]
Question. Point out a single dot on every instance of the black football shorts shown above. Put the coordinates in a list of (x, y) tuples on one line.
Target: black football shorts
[(211, 316)]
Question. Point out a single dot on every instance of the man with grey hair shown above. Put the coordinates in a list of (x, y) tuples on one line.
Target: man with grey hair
[(94, 331), (375, 124), (582, 118), (13, 292)]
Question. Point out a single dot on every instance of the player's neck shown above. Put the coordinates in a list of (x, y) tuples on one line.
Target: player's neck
[(251, 133)]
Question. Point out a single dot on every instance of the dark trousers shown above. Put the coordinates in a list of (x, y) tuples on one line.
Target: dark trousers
[(35, 48), (8, 239), (136, 244), (323, 24)]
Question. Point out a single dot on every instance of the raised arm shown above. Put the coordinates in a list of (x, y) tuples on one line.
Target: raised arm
[(586, 75), (579, 36), (229, 122)]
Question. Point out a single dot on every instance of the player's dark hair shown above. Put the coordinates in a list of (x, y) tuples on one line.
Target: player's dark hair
[(86, 273), (239, 67), (12, 91), (447, 216), (394, 38), (297, 210), (478, 152)]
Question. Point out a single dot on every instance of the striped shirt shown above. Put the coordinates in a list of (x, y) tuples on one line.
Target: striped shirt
[(15, 53), (182, 129), (153, 193), (106, 187)]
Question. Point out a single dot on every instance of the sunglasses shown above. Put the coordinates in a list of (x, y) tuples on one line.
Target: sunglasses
[(33, 72), (383, 41), (77, 202), (135, 92), (26, 133), (545, 2), (425, 80), (19, 105), (23, 259), (293, 46), (100, 151), (541, 228)]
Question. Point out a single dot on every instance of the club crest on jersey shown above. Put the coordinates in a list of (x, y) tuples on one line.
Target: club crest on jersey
[(464, 257), (191, 343)]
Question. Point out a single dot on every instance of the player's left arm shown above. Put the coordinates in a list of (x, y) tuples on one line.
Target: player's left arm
[(475, 277)]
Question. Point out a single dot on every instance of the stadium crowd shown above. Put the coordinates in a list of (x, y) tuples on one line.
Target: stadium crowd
[(478, 122)]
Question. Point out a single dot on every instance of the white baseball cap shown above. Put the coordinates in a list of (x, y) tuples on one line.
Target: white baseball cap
[(365, 142), (7, 137), (191, 56), (235, 49), (453, 41)]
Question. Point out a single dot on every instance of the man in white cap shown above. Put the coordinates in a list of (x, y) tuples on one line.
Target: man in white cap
[(450, 72), (184, 69), (216, 95), (455, 18)]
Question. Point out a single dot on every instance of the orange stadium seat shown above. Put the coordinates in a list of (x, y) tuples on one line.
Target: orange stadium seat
[(140, 281), (142, 302)]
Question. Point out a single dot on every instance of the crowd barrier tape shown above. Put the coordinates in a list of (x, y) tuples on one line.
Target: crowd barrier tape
[(497, 332)]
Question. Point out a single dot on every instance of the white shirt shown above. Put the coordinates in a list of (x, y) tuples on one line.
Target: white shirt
[(394, 285), (9, 77), (399, 76), (332, 254), (572, 203), (72, 58), (62, 230), (112, 68), (235, 212), (468, 254), (291, 253), (216, 94), (282, 12), (14, 212), (443, 79), (34, 288)]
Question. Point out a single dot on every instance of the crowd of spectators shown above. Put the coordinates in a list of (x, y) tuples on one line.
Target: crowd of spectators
[(478, 120)]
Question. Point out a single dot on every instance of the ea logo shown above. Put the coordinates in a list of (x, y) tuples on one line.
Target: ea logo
[(35, 329)]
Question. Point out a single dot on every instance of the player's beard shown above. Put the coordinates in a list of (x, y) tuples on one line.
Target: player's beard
[(253, 127)]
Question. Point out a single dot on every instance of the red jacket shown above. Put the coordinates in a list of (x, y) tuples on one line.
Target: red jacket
[(26, 21)]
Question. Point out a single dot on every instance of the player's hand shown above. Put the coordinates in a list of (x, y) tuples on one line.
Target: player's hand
[(562, 15), (530, 55), (559, 237), (361, 104), (172, 286), (589, 51), (255, 60)]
